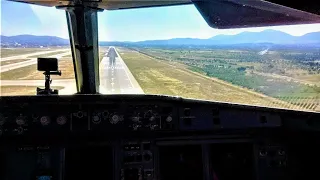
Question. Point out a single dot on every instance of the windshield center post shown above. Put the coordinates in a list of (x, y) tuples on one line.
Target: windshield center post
[(82, 23)]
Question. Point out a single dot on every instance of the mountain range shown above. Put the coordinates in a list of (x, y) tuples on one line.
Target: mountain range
[(267, 36), (31, 40)]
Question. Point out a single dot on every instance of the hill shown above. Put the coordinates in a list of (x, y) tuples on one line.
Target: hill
[(31, 40), (267, 36)]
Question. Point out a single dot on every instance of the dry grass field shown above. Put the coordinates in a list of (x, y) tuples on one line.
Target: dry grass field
[(160, 77), (20, 90), (30, 72), (7, 52)]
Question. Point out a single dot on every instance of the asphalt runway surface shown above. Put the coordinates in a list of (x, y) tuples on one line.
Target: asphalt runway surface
[(115, 77)]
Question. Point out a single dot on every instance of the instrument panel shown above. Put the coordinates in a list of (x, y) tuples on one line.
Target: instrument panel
[(146, 137), (124, 114), (36, 115)]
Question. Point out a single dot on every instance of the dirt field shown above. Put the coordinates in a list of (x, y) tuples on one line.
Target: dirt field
[(30, 72), (102, 51), (20, 90), (311, 78), (12, 61), (159, 77), (6, 52), (47, 54)]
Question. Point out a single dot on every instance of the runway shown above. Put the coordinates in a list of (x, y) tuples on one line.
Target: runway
[(115, 77), (56, 82), (25, 56), (68, 84), (27, 62)]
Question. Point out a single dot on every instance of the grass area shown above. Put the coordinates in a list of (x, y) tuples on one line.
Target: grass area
[(101, 55), (308, 98), (289, 75), (21, 90), (159, 77), (19, 73), (294, 63), (67, 56), (6, 52), (30, 72), (12, 61), (47, 54), (102, 51), (315, 78)]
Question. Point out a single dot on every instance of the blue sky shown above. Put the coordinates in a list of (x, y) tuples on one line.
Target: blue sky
[(124, 25)]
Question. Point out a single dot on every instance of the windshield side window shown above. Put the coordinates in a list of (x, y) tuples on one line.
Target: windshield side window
[(27, 34), (172, 51)]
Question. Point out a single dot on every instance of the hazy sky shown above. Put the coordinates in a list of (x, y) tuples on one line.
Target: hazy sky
[(124, 25)]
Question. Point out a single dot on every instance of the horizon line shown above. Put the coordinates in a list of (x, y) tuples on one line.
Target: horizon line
[(169, 38)]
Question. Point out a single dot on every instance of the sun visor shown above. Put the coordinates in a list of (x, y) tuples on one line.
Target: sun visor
[(225, 14), (109, 4)]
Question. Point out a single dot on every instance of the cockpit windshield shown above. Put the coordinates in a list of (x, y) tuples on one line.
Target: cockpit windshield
[(167, 51)]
